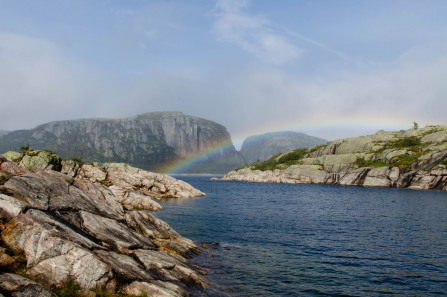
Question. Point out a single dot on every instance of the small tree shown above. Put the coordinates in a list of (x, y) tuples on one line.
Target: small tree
[(415, 125), (24, 148)]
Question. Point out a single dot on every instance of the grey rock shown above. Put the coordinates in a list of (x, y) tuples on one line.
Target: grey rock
[(137, 288), (162, 234), (124, 266), (11, 207), (169, 267), (32, 223), (419, 166), (114, 234), (19, 286)]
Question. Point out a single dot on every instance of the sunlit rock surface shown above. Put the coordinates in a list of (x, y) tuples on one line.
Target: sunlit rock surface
[(91, 227), (415, 158)]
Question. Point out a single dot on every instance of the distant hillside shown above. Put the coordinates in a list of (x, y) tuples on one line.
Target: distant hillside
[(3, 132), (262, 147), (415, 158), (149, 141)]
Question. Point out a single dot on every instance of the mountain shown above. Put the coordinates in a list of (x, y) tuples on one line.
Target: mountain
[(262, 147), (151, 141), (3, 132), (415, 158)]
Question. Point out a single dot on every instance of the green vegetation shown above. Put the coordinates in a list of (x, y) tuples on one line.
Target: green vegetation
[(316, 148), (24, 148), (406, 142), (444, 162), (78, 160), (415, 125), (281, 160), (21, 265), (3, 179), (361, 162)]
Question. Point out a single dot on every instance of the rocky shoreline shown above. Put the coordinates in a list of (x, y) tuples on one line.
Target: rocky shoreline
[(73, 229), (414, 159)]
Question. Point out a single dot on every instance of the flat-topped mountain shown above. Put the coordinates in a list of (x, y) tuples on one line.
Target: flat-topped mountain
[(264, 146), (149, 141), (415, 158)]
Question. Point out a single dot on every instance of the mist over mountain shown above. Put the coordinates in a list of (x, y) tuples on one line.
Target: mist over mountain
[(151, 141), (3, 132), (262, 147)]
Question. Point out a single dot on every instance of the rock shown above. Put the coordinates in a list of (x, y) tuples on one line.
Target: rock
[(131, 200), (7, 262), (41, 160), (13, 156), (70, 168), (53, 190), (92, 173), (164, 236), (12, 169), (124, 266), (31, 224), (73, 228), (405, 159), (102, 193), (137, 288), (19, 286), (11, 207), (113, 234), (169, 267)]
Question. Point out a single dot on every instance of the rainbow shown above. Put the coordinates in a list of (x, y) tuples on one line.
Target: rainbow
[(359, 122)]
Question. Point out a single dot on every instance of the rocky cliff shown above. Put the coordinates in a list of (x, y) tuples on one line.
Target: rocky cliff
[(69, 229), (415, 158), (149, 141), (264, 146)]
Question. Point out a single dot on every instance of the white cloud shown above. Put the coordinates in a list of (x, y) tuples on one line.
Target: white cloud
[(253, 33)]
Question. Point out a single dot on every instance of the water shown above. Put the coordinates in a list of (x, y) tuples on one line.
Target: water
[(306, 240)]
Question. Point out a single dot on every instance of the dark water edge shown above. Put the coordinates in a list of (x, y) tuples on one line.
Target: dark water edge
[(314, 240)]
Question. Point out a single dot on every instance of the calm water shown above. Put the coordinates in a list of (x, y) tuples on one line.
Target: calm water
[(305, 240)]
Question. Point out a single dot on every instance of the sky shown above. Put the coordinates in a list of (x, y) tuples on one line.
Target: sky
[(331, 69)]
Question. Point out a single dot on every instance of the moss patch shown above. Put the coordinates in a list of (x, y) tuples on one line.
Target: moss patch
[(281, 160)]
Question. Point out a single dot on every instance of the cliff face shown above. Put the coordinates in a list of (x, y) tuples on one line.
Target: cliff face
[(262, 147), (148, 141), (87, 230), (416, 158)]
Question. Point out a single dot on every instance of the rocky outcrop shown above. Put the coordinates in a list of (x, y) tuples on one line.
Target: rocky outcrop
[(414, 159), (262, 147), (150, 141), (78, 232)]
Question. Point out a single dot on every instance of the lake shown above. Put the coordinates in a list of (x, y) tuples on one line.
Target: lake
[(308, 240)]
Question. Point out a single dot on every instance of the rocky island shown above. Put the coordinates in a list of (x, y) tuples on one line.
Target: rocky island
[(73, 229), (414, 158)]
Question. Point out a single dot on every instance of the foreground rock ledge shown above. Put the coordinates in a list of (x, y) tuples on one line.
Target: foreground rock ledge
[(421, 165), (89, 227)]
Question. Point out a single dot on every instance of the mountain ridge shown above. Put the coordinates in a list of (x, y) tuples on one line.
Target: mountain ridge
[(149, 141), (263, 146)]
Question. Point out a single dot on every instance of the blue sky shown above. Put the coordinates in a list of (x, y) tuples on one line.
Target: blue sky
[(328, 68)]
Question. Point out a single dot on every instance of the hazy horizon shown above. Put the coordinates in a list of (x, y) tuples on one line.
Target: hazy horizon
[(327, 69)]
